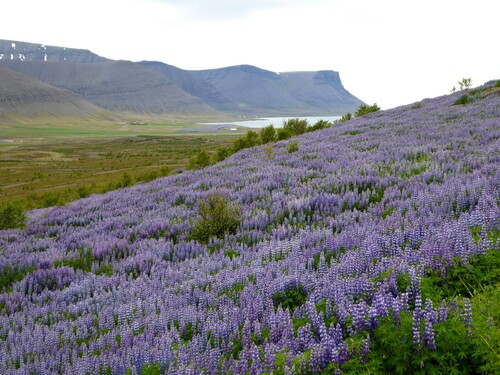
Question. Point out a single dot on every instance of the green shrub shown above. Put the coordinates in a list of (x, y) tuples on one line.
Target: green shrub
[(200, 161), (223, 153), (296, 126), (321, 124), (217, 218), (267, 134), (283, 134), (293, 147), (464, 99), (364, 109), (346, 117), (251, 139), (12, 216)]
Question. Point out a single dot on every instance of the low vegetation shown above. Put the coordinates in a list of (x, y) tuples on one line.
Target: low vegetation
[(43, 173), (218, 217)]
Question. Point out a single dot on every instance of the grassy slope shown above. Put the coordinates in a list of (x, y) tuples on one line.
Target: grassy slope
[(46, 158)]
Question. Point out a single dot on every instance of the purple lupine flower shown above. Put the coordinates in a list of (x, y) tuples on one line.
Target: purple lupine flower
[(468, 316), (429, 321)]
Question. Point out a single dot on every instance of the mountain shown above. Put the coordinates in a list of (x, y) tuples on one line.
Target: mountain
[(150, 88), (23, 51), (119, 86), (22, 96), (257, 90), (194, 85)]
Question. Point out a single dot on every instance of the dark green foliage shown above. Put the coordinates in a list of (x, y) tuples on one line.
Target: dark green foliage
[(82, 262), (387, 212), (12, 216), (10, 275), (217, 218), (105, 269), (293, 147), (283, 134), (464, 99), (151, 369), (231, 254), (463, 280), (321, 124), (459, 349), (291, 298), (267, 134), (125, 181), (364, 109), (346, 117), (200, 161), (296, 126), (251, 139), (223, 153)]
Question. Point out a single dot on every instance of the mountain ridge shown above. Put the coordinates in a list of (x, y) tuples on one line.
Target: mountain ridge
[(155, 88)]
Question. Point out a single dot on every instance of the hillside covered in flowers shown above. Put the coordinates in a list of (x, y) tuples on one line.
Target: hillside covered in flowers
[(347, 257)]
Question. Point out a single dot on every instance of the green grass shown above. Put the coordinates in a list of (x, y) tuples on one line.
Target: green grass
[(68, 164)]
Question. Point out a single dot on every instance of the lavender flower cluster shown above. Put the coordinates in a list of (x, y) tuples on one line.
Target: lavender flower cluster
[(114, 282)]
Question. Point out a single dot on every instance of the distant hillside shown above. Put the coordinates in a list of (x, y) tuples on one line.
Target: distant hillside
[(156, 89), (257, 90), (119, 86), (194, 85), (24, 96)]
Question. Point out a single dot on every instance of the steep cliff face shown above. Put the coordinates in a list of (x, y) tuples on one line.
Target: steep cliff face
[(23, 51)]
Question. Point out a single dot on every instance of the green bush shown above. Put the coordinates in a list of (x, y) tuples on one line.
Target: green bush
[(464, 99), (293, 147), (321, 124), (223, 153), (283, 134), (12, 216), (364, 109), (200, 161), (251, 139), (267, 134), (296, 126), (218, 217)]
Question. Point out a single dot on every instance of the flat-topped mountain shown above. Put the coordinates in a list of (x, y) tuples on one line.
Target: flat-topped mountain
[(157, 89), (289, 93)]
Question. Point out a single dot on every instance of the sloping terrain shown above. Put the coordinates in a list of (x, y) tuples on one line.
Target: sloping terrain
[(261, 91), (119, 86), (333, 245), (25, 97), (155, 88), (194, 85)]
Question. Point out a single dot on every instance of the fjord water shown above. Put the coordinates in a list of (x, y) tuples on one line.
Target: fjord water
[(277, 122)]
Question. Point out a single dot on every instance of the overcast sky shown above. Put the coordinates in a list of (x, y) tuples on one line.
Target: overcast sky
[(391, 52)]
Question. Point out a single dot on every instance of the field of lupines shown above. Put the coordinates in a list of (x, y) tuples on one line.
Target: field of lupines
[(334, 242)]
